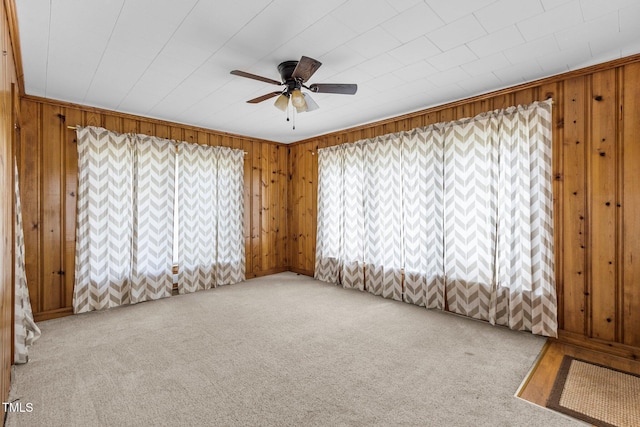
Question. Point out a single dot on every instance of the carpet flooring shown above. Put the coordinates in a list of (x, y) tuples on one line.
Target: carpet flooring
[(277, 351)]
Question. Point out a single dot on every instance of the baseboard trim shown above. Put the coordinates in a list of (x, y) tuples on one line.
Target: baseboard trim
[(251, 275), (52, 314), (301, 271), (613, 348), (68, 311)]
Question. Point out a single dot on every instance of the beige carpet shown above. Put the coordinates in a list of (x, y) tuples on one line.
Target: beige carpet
[(596, 394), (277, 351)]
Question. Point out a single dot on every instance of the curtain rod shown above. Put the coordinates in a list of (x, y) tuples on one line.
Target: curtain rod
[(74, 128)]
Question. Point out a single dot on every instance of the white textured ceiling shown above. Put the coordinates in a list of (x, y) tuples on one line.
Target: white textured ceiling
[(171, 59)]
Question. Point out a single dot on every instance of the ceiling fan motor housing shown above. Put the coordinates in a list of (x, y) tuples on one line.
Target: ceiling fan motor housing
[(286, 70)]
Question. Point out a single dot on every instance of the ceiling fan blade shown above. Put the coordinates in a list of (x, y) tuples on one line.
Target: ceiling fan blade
[(305, 68), (263, 97), (255, 77), (343, 88)]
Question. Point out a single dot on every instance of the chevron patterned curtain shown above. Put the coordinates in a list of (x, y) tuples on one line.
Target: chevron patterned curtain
[(211, 248), (329, 250), (198, 205), (153, 193), (499, 256), (359, 229), (383, 249), (524, 296), (353, 220), (463, 209), (470, 186), (340, 224), (25, 329), (230, 266), (124, 219), (422, 204), (104, 223)]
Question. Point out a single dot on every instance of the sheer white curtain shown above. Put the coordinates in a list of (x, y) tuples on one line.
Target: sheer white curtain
[(124, 221), (210, 200), (464, 209)]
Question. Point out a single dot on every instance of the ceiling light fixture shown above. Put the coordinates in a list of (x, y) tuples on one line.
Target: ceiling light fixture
[(293, 76), (297, 100), (282, 102)]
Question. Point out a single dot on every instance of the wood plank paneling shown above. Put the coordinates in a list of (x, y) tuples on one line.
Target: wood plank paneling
[(30, 155), (283, 217), (93, 118), (631, 205), (574, 210), (113, 123), (49, 169), (176, 133), (266, 232), (51, 207), (596, 150), (554, 91), (148, 128), (129, 125), (256, 209), (602, 200), (161, 131)]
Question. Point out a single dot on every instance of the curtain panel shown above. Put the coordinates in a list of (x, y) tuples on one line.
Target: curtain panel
[(153, 194), (461, 210), (104, 220), (383, 250), (470, 215), (124, 226), (211, 217), (422, 207), (25, 329), (125, 218)]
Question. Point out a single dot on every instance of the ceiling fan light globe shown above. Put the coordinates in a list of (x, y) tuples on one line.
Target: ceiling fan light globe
[(311, 104), (297, 99), (282, 102)]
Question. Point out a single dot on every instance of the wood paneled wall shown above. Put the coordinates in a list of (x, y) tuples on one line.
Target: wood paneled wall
[(596, 155), (48, 173), (9, 125)]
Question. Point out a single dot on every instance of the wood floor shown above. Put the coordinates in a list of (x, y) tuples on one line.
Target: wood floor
[(538, 385)]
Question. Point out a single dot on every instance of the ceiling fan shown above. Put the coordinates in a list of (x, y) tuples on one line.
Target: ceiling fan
[(294, 74)]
